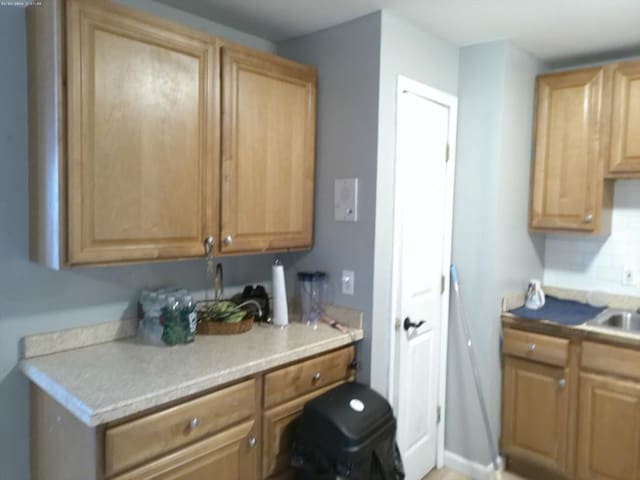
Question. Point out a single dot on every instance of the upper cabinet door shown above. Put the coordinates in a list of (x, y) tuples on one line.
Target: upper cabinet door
[(268, 152), (624, 155), (142, 143), (567, 177)]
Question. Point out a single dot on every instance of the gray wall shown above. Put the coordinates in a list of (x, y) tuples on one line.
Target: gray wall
[(348, 60), (35, 299), (492, 249), (409, 51)]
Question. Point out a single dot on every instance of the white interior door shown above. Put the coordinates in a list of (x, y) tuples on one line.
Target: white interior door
[(421, 262)]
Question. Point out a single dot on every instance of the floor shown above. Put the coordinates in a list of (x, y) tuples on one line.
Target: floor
[(447, 474)]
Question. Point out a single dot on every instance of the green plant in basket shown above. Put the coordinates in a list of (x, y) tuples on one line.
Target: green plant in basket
[(222, 311)]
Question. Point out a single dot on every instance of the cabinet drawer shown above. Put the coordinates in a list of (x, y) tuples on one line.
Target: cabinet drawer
[(142, 439), (536, 347), (304, 377), (619, 361)]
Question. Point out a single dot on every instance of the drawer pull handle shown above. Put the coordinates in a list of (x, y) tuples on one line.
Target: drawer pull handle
[(316, 377), (532, 347), (252, 442), (562, 383), (193, 423)]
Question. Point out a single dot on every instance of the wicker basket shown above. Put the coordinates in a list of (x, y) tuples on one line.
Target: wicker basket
[(208, 327)]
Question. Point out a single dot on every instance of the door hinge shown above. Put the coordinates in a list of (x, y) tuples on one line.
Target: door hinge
[(438, 414), (446, 157), (442, 282)]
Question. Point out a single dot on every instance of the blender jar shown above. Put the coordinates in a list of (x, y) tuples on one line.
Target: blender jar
[(312, 291)]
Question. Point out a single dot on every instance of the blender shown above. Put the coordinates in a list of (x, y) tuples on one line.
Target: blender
[(312, 288)]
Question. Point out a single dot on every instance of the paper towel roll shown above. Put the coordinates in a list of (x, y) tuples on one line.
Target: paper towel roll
[(280, 311)]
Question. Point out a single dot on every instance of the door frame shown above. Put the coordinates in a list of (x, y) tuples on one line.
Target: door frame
[(450, 101)]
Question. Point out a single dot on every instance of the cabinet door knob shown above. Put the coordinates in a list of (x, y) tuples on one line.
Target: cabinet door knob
[(562, 383), (209, 242), (316, 377), (252, 442), (193, 423), (588, 218), (228, 240), (532, 347)]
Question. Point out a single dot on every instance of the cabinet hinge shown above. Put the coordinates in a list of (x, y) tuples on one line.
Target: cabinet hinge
[(446, 156), (439, 414)]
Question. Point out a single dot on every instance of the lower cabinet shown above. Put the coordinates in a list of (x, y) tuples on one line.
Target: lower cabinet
[(228, 455), (278, 429), (608, 429), (242, 431), (570, 407), (535, 413)]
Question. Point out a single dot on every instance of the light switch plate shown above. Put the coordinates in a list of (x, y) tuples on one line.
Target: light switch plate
[(348, 282), (345, 194)]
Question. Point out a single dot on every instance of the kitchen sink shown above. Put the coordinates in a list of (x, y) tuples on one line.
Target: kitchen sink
[(618, 319)]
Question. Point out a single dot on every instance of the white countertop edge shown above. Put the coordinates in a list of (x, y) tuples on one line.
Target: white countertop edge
[(93, 418), (81, 411)]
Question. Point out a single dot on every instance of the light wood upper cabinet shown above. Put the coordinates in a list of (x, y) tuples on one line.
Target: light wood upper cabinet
[(568, 191), (608, 429), (624, 153), (535, 415), (268, 152), (125, 140), (142, 161)]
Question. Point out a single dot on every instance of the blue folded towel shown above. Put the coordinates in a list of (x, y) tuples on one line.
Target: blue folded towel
[(566, 312)]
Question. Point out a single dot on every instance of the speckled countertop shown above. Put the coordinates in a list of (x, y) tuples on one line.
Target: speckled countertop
[(109, 381), (584, 331)]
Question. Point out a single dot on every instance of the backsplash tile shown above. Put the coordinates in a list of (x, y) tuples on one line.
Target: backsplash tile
[(599, 263)]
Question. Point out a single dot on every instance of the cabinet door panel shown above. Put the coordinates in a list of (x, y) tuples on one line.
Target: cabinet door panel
[(141, 137), (625, 120), (567, 190), (226, 456), (535, 413), (608, 429), (268, 152)]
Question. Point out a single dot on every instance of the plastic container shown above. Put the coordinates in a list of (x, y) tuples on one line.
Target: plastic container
[(167, 317), (188, 317)]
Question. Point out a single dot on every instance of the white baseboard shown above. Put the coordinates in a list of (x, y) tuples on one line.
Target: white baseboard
[(460, 464)]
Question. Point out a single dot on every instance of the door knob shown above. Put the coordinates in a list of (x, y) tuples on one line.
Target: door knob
[(588, 218), (532, 347), (562, 383), (252, 442), (409, 324), (228, 240)]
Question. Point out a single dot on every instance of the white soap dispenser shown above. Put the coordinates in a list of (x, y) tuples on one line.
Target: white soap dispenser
[(535, 295)]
